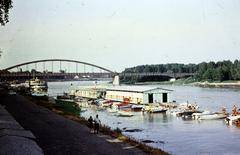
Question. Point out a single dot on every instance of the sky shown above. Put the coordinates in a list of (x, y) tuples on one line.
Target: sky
[(121, 34)]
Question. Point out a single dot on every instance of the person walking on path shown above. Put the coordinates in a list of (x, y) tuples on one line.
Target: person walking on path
[(97, 123), (90, 123)]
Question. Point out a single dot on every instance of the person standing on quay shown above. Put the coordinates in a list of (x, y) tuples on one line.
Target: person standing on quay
[(90, 123), (97, 123)]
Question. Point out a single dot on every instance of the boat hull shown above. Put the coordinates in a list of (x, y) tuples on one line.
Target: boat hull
[(158, 110), (231, 119), (212, 116), (68, 105)]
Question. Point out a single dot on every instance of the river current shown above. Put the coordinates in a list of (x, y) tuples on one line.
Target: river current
[(173, 134)]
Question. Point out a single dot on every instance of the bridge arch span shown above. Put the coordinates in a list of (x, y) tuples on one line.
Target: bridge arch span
[(58, 60)]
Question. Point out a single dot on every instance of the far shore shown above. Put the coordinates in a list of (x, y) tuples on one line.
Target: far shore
[(224, 84), (218, 84)]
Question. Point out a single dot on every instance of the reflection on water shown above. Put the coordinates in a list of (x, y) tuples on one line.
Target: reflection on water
[(173, 134)]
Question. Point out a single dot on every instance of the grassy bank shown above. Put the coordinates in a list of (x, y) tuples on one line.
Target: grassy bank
[(103, 129)]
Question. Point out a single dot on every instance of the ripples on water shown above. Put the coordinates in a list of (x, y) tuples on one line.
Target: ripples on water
[(173, 134)]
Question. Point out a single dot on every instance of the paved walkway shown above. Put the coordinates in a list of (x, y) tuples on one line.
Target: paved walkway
[(58, 135), (14, 139)]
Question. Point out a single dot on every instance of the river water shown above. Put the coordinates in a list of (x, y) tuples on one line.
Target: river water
[(172, 134)]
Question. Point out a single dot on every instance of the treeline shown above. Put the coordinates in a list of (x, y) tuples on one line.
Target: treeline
[(211, 71)]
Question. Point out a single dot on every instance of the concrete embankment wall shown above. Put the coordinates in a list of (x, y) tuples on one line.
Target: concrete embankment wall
[(14, 139)]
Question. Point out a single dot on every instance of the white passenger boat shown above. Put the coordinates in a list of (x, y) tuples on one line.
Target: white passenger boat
[(36, 84)]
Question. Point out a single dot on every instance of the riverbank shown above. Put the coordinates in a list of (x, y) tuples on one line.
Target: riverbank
[(116, 133), (226, 84), (49, 123), (191, 82)]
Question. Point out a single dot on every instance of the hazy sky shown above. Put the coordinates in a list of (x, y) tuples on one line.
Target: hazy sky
[(123, 33)]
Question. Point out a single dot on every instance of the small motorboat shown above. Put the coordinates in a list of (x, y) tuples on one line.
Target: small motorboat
[(234, 117), (188, 106), (124, 114), (231, 119), (196, 115), (136, 107), (212, 116), (169, 105), (157, 110), (110, 110), (187, 113), (11, 92), (175, 112), (121, 105), (106, 103), (83, 110)]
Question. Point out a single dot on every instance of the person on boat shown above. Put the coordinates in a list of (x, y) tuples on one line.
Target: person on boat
[(224, 110), (90, 123), (96, 125), (234, 111)]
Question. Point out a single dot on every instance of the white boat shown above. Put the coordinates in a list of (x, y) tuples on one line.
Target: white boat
[(83, 110), (11, 92), (157, 110), (106, 103), (175, 112), (137, 107), (235, 116), (36, 84), (169, 105), (39, 94), (82, 104), (196, 115), (110, 110), (212, 116), (207, 115), (231, 119), (124, 114), (121, 105), (188, 106)]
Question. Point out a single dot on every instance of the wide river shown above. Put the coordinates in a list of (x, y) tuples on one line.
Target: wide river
[(172, 134)]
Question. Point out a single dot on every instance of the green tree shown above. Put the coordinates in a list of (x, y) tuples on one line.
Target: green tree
[(5, 5)]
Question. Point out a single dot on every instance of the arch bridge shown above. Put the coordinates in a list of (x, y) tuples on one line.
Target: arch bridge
[(51, 70)]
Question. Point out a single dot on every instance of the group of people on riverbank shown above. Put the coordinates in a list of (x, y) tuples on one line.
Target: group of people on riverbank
[(94, 124)]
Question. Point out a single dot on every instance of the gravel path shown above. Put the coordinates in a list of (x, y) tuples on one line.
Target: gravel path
[(58, 135)]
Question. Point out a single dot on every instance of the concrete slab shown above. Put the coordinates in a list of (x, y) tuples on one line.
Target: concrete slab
[(11, 145), (15, 132)]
